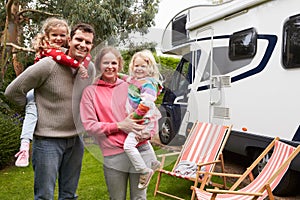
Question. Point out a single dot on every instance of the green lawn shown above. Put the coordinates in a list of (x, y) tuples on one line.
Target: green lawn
[(17, 183)]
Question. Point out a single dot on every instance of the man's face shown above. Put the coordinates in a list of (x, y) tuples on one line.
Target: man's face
[(80, 45)]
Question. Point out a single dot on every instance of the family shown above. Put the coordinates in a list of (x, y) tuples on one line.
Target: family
[(64, 97)]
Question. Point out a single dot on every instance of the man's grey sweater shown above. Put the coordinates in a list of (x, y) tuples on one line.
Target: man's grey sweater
[(57, 93)]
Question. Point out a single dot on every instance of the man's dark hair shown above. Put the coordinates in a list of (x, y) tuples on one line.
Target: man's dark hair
[(83, 27)]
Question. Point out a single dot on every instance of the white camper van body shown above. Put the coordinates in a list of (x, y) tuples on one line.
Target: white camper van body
[(259, 92)]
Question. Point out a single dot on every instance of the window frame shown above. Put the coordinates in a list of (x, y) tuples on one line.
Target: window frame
[(241, 36), (290, 54)]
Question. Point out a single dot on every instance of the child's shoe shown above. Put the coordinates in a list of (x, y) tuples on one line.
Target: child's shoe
[(145, 179), (23, 156), (155, 165), (22, 160)]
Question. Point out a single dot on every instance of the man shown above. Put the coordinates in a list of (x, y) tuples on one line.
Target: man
[(57, 148)]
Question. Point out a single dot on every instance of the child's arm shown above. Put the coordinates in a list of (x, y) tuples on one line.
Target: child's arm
[(83, 72), (148, 94), (61, 58), (124, 77)]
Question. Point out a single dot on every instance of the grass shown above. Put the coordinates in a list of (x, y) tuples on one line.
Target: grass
[(17, 183)]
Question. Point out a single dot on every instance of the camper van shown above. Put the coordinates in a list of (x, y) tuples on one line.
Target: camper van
[(240, 65)]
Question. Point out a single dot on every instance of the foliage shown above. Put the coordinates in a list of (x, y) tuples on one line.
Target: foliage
[(11, 118), (168, 66), (113, 21), (2, 15), (110, 18), (169, 62), (10, 130), (132, 48)]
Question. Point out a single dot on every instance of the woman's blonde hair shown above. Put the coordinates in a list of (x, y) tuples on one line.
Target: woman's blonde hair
[(148, 57), (104, 51), (40, 41)]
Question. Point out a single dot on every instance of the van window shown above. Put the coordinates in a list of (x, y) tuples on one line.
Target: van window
[(181, 78), (243, 44), (179, 32), (291, 42)]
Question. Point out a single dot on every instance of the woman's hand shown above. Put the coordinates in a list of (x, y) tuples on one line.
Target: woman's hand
[(130, 125)]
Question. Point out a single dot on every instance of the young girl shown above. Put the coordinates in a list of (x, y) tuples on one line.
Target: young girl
[(142, 94), (48, 43)]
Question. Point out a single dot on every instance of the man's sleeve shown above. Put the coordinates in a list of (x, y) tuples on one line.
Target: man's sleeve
[(31, 78)]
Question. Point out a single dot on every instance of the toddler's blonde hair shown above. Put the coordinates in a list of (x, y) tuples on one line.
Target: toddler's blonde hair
[(40, 41), (148, 57)]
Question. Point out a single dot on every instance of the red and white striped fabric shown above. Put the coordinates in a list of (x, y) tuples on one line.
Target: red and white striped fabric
[(204, 144), (280, 153)]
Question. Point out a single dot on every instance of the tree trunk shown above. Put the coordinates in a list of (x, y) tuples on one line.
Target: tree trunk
[(10, 35)]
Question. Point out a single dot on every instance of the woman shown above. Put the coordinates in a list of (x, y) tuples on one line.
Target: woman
[(104, 116)]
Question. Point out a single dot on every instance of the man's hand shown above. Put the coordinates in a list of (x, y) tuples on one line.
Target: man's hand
[(83, 72)]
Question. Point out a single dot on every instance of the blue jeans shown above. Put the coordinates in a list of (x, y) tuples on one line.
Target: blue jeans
[(52, 157), (30, 117)]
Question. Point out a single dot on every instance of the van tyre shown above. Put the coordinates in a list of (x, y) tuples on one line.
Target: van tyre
[(166, 132), (287, 185), (258, 168)]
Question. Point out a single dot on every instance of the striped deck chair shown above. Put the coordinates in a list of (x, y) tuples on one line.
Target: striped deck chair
[(202, 148), (263, 185)]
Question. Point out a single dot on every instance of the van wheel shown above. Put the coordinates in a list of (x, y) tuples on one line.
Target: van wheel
[(261, 163), (287, 184), (166, 133)]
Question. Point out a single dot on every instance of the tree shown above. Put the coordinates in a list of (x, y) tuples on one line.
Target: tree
[(113, 18)]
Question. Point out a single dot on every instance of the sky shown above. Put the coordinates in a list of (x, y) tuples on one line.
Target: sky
[(169, 8), (166, 11)]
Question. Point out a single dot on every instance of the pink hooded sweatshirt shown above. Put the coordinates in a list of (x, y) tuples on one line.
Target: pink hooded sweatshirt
[(102, 106)]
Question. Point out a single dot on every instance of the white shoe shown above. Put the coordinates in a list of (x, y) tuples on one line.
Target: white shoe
[(145, 179)]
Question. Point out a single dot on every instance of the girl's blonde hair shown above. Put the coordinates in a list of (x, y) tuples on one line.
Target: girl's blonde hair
[(40, 41), (148, 57), (104, 51)]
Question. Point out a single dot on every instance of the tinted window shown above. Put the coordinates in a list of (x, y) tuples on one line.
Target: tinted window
[(243, 44), (179, 33), (291, 42)]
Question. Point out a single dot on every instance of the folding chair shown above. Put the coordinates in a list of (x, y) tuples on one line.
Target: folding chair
[(203, 148), (260, 187)]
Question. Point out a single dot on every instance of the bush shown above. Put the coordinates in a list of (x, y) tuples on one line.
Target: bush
[(10, 129), (168, 66), (10, 122)]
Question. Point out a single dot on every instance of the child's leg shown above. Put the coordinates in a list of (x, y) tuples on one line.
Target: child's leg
[(148, 132), (27, 131), (151, 161), (155, 164), (133, 153), (30, 119)]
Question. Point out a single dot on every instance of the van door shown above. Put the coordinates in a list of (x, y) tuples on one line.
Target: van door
[(209, 92), (201, 92), (174, 104)]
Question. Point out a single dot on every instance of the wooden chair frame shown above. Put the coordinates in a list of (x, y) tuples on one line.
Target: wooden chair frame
[(267, 185), (210, 163)]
